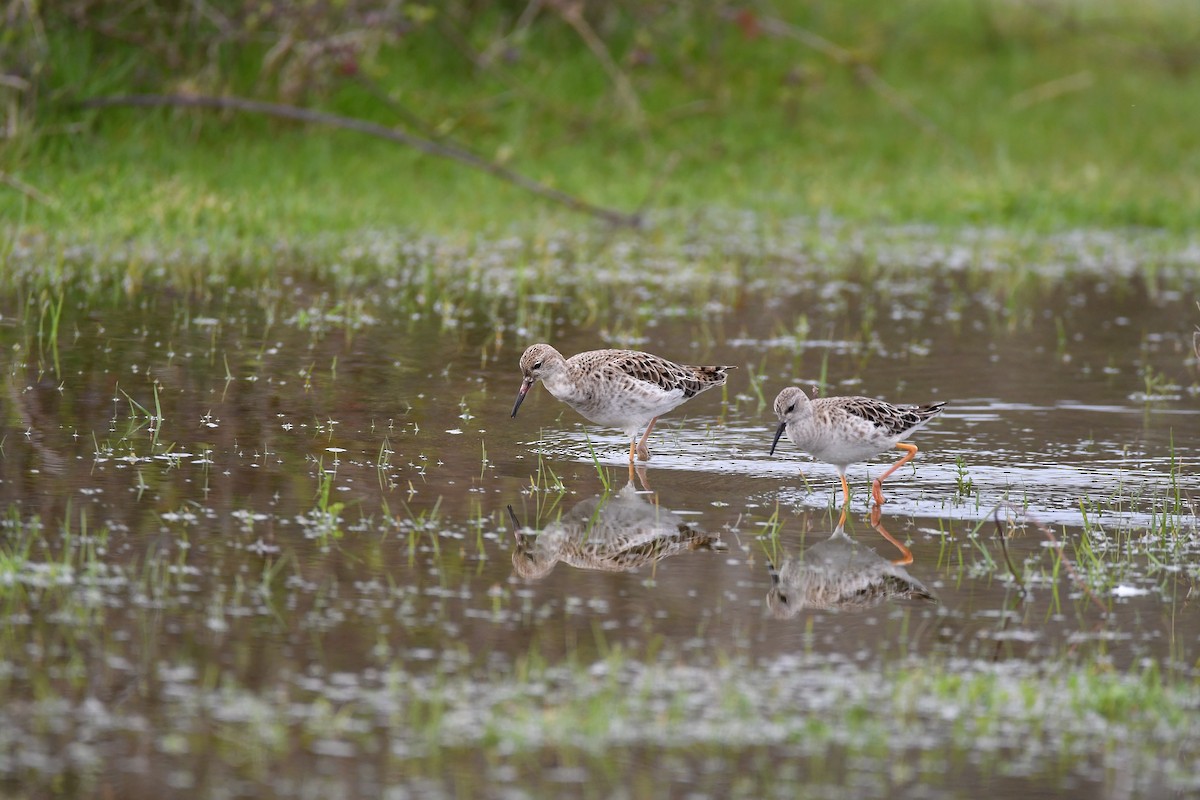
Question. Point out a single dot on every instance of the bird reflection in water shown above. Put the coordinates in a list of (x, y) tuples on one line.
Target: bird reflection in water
[(840, 573), (609, 533)]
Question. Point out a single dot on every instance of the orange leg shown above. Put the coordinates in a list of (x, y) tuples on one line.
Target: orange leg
[(877, 484), (845, 500), (643, 451), (877, 524), (641, 473), (632, 444)]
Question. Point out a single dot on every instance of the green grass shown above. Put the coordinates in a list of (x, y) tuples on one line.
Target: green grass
[(753, 123), (1006, 720)]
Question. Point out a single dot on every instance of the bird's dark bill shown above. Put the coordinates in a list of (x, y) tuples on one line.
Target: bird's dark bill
[(778, 433), (521, 396)]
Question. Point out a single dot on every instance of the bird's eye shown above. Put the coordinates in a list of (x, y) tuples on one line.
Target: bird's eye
[(538, 365), (790, 408)]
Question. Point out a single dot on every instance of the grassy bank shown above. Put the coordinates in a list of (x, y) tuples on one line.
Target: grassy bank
[(1008, 114), (619, 721)]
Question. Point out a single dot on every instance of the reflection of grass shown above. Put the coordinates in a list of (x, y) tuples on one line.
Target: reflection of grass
[(757, 378), (418, 523), (1105, 556), (14, 553), (47, 570), (1156, 385), (325, 519), (772, 525), (48, 325), (545, 480)]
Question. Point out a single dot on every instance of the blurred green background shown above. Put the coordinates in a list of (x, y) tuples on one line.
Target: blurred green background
[(1030, 114)]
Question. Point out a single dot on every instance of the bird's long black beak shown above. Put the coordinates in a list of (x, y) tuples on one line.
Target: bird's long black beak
[(774, 444), (516, 523), (525, 384)]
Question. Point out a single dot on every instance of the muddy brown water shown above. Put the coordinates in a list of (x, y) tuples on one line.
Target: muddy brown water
[(316, 505)]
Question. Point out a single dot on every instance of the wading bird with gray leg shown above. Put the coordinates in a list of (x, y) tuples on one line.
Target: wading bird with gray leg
[(845, 430), (624, 389)]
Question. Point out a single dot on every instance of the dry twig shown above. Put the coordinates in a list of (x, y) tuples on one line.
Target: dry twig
[(571, 12), (32, 192), (492, 52)]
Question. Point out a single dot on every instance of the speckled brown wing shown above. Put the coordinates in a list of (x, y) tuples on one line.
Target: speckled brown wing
[(668, 375), (891, 418)]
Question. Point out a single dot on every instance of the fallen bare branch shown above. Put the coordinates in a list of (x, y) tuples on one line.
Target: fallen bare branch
[(492, 52), (402, 113), (571, 12), (1051, 90), (14, 82), (31, 192), (440, 149)]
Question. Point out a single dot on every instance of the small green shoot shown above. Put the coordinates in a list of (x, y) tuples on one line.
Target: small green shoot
[(605, 480), (964, 487)]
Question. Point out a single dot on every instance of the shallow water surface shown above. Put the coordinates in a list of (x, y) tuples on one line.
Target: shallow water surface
[(289, 529)]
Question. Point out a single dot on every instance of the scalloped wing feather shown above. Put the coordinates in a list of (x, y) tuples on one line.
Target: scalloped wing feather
[(893, 419), (654, 370)]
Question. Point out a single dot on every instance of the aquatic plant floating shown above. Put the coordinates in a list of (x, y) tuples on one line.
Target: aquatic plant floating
[(845, 430), (624, 389)]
